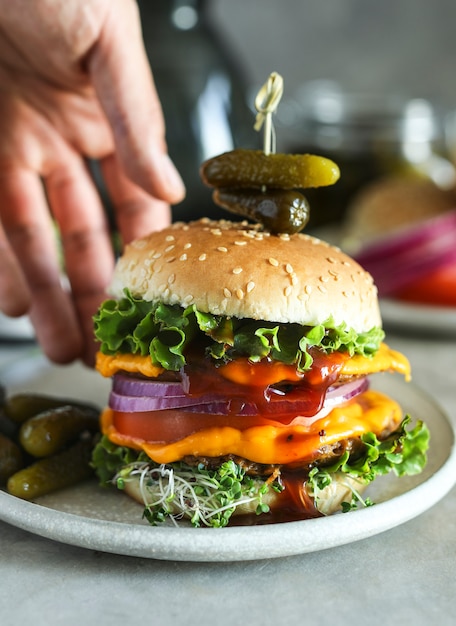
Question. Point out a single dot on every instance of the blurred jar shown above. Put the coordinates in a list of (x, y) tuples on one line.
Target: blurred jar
[(369, 136), (201, 89)]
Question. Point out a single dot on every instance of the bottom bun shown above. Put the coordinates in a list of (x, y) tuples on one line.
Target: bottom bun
[(292, 503)]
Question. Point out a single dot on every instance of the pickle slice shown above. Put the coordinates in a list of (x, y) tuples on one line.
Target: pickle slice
[(279, 210), (253, 168)]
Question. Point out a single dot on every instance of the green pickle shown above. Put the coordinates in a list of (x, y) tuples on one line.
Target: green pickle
[(22, 406), (280, 211), (49, 431), (53, 473), (11, 458), (255, 169)]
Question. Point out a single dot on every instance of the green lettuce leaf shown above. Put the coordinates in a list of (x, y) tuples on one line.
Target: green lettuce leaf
[(131, 325), (209, 497), (403, 452)]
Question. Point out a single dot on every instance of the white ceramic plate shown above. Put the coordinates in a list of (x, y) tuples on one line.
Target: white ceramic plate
[(106, 520), (418, 317)]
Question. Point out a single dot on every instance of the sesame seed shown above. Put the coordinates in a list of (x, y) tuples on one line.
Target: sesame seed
[(250, 286), (273, 261), (171, 259), (237, 270), (333, 273), (324, 279), (322, 289), (330, 259), (294, 279), (188, 298), (157, 255), (169, 238), (202, 257), (183, 257), (169, 248), (216, 231), (287, 291), (239, 294), (171, 278), (222, 249), (284, 236), (240, 243), (308, 289), (187, 246), (289, 268), (226, 292)]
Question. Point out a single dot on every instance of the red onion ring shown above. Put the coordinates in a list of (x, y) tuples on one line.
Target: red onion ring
[(396, 261), (220, 405), (130, 386)]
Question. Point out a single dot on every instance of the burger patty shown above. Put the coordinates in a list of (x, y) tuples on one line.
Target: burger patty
[(327, 455)]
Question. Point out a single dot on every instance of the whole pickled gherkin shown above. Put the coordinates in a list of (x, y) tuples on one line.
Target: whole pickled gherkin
[(11, 458), (54, 472), (254, 168), (22, 406), (280, 211), (49, 431)]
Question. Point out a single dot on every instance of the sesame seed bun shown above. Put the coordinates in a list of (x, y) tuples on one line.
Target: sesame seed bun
[(236, 269)]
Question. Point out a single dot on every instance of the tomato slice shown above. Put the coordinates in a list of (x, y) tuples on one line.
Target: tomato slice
[(438, 288), (172, 425)]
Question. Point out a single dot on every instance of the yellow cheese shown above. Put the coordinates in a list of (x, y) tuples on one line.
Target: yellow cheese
[(385, 359), (283, 444), (108, 364)]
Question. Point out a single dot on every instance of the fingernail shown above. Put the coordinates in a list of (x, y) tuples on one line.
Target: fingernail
[(172, 177)]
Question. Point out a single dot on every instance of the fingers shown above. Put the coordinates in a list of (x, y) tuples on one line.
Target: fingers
[(137, 213), (27, 225), (86, 241), (121, 74), (15, 298)]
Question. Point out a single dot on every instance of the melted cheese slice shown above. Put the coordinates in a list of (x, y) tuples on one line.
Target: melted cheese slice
[(384, 360), (110, 364), (371, 411)]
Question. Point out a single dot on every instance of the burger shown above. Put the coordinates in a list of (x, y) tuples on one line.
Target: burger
[(240, 365)]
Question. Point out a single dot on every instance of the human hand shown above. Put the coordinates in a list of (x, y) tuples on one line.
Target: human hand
[(75, 84)]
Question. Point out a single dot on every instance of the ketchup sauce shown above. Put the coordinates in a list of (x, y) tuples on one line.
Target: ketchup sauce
[(266, 382)]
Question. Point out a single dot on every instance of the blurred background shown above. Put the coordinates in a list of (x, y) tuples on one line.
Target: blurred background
[(369, 84), (210, 57)]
